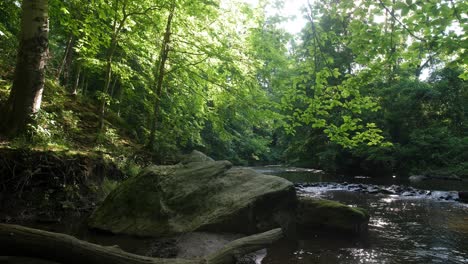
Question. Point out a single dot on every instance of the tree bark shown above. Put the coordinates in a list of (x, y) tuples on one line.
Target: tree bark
[(65, 65), (240, 247), (116, 28), (76, 83), (26, 94), (28, 242), (163, 55)]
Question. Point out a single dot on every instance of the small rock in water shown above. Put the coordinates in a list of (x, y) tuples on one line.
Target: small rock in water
[(463, 196), (373, 190), (385, 191), (248, 259), (417, 178)]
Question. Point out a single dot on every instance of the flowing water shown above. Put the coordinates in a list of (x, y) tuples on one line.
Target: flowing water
[(403, 229)]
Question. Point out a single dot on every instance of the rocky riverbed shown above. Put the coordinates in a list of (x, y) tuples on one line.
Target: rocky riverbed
[(404, 191)]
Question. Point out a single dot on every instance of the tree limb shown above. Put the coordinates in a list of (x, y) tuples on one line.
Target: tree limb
[(401, 23), (243, 246), (29, 242)]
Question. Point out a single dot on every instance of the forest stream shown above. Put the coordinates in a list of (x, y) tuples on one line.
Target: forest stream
[(423, 223), (94, 93), (404, 228)]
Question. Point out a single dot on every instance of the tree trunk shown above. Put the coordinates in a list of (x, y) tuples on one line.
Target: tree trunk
[(76, 83), (164, 53), (66, 56), (112, 90), (26, 94), (105, 92), (240, 247), (28, 242)]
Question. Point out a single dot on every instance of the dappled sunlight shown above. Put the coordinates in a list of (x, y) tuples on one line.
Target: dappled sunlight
[(158, 119)]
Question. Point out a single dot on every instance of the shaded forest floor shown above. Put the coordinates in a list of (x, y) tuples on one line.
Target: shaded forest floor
[(62, 166)]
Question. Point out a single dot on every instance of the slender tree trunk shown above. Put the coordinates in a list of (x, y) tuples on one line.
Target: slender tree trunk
[(105, 92), (26, 94), (77, 80), (116, 28), (114, 83), (160, 76), (65, 57)]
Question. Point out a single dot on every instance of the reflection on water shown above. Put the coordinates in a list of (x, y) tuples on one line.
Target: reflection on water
[(299, 175), (401, 229)]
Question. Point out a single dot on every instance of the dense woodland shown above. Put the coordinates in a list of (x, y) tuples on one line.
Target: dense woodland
[(372, 86)]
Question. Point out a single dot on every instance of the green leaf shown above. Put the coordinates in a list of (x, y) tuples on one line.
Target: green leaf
[(64, 10)]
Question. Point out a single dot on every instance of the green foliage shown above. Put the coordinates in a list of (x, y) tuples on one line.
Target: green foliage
[(359, 84), (348, 93), (9, 29)]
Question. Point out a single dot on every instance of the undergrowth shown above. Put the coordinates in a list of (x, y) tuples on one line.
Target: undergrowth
[(70, 123)]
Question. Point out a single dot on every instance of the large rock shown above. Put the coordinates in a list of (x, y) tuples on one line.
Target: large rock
[(209, 195), (315, 213), (195, 156)]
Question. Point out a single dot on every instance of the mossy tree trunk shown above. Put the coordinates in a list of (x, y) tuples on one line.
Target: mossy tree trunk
[(26, 93), (28, 242)]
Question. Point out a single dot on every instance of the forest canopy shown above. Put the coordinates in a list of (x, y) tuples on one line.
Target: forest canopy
[(366, 86)]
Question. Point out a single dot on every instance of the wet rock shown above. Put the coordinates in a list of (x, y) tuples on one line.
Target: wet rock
[(449, 198), (385, 191), (248, 259), (373, 190), (318, 213), (447, 177), (417, 178), (463, 196), (299, 185)]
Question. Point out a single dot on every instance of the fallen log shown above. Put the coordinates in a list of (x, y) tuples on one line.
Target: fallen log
[(240, 247), (29, 242)]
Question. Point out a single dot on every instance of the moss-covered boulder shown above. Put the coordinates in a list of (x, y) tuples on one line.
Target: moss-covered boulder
[(209, 195), (315, 213), (195, 156)]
